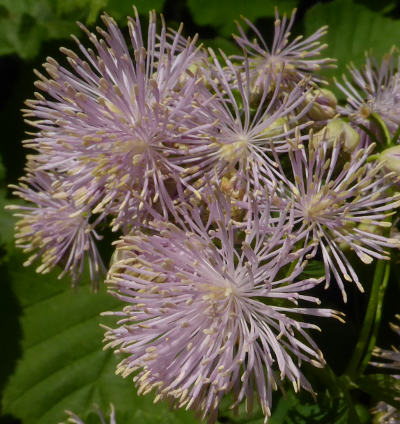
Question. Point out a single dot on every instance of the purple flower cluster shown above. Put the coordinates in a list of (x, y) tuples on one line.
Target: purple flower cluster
[(291, 61), (57, 228), (208, 313), (223, 177), (338, 203), (375, 89)]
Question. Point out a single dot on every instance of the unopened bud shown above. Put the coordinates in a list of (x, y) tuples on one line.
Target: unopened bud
[(391, 159), (340, 130), (323, 105), (370, 228), (196, 70), (278, 127)]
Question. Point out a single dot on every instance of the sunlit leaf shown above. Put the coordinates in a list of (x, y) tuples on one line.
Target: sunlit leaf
[(221, 14), (26, 24), (314, 269), (61, 362), (119, 9), (353, 29)]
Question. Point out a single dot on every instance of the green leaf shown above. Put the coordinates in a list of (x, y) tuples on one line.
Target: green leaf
[(6, 220), (383, 6), (25, 24), (7, 226), (89, 8), (221, 14), (62, 364), (227, 46), (314, 269), (353, 29), (294, 408), (120, 9), (381, 387), (20, 34)]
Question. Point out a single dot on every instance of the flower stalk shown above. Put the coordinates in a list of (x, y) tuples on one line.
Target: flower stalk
[(369, 330)]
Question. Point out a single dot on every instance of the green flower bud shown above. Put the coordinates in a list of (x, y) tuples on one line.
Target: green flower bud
[(338, 129), (371, 228), (277, 127), (323, 106), (391, 159)]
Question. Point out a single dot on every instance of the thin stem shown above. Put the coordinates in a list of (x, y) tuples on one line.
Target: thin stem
[(382, 126), (378, 316), (292, 266), (364, 337), (370, 133), (340, 387), (354, 418)]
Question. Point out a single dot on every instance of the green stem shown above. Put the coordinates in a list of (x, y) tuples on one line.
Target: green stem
[(291, 268), (331, 380), (370, 133), (378, 316), (354, 418), (382, 126), (341, 387), (363, 340)]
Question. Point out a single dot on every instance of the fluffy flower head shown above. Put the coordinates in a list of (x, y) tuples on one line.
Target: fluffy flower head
[(296, 59), (204, 319), (338, 205), (55, 228), (375, 89), (236, 132), (109, 122)]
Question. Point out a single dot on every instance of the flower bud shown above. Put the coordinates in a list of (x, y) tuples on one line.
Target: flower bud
[(277, 127), (371, 228), (391, 159), (323, 106), (338, 129), (196, 70)]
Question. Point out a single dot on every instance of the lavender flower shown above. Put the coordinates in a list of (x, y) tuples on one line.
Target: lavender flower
[(339, 205), (55, 228), (207, 312), (234, 132), (110, 123), (296, 59), (375, 89)]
